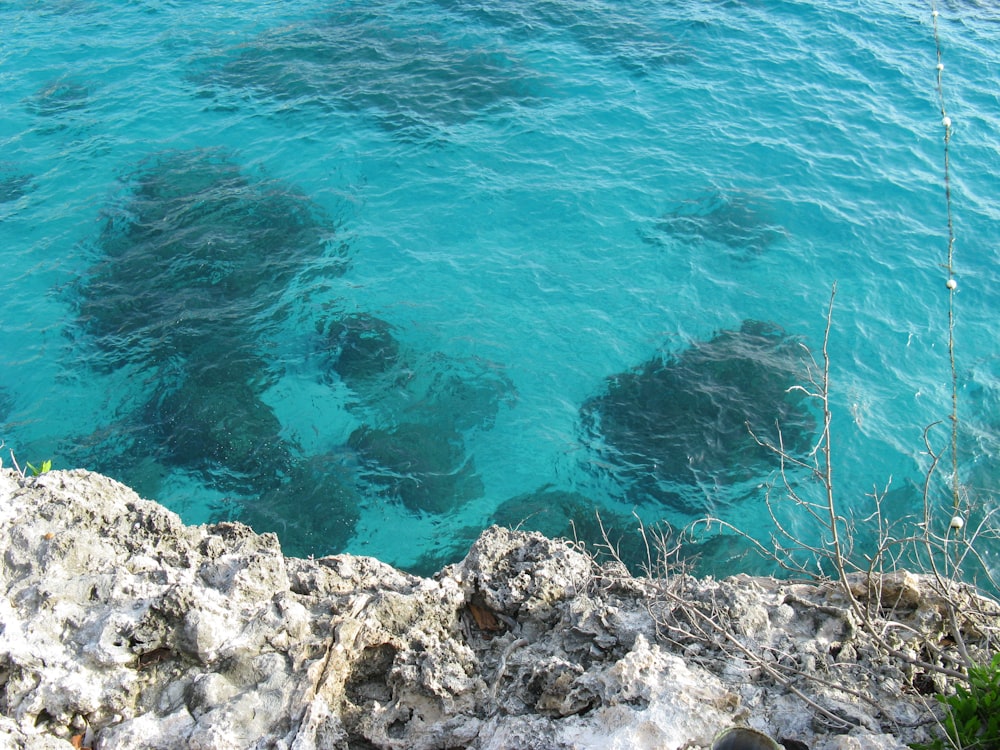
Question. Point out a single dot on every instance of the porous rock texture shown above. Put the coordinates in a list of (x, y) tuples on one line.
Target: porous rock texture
[(124, 628)]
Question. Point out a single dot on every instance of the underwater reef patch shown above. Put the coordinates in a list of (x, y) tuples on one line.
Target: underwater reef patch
[(358, 347), (58, 97), (193, 269), (422, 466), (198, 251), (221, 428), (59, 105), (313, 510), (13, 183), (370, 59), (415, 408), (979, 440), (742, 224), (639, 43), (459, 393), (685, 418), (6, 405), (401, 384)]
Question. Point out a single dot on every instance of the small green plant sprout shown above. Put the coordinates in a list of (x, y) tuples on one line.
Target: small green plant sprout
[(17, 469), (972, 712), (23, 473), (37, 470)]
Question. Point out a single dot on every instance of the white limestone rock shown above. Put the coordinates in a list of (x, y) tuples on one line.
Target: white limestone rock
[(122, 627)]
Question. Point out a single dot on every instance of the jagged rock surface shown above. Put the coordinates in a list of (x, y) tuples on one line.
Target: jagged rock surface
[(124, 628)]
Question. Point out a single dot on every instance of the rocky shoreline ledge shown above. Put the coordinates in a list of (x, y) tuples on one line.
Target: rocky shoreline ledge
[(124, 628)]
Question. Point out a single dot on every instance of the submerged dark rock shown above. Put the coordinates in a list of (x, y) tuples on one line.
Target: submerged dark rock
[(743, 225), (198, 254), (411, 78), (423, 466), (58, 97), (359, 347), (193, 272), (220, 427), (6, 404), (461, 394), (416, 409), (401, 384), (313, 510), (635, 41), (13, 183), (691, 417)]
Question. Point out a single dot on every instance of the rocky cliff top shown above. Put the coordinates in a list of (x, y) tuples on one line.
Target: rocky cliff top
[(124, 628)]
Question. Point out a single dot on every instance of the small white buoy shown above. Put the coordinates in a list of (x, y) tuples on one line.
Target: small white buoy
[(934, 13), (951, 283), (946, 122), (940, 67), (957, 522)]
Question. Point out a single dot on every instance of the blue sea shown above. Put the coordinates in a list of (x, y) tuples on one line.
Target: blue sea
[(374, 276)]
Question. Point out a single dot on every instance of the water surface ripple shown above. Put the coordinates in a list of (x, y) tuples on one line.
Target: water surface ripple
[(375, 275)]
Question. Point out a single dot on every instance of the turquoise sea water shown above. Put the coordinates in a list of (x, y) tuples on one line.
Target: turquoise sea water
[(375, 275)]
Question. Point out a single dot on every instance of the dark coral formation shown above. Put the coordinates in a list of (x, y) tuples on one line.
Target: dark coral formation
[(358, 347), (193, 271), (416, 408), (368, 59), (13, 183), (423, 466), (215, 422), (692, 417), (463, 394), (193, 276), (362, 351), (198, 250), (742, 224), (58, 97), (6, 404), (638, 44), (313, 510)]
